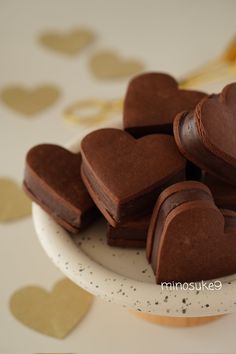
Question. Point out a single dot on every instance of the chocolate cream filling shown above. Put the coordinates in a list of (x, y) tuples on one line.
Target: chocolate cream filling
[(120, 242), (140, 205), (85, 218), (225, 205), (172, 202), (192, 142), (52, 202), (140, 131), (230, 222), (132, 231)]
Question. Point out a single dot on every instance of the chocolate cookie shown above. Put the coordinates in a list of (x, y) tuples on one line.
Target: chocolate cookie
[(189, 238), (124, 176), (223, 193), (206, 136), (52, 179), (152, 101), (130, 234)]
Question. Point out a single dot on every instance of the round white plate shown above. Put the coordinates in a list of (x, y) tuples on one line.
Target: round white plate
[(123, 276)]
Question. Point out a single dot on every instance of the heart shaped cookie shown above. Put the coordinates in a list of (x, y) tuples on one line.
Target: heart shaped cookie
[(70, 43), (52, 179), (124, 175), (152, 101), (29, 101), (109, 65), (189, 238), (206, 136), (53, 313)]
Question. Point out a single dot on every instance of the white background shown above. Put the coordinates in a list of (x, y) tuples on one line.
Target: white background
[(172, 36)]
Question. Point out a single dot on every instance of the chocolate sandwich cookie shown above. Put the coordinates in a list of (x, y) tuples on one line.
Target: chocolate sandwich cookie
[(189, 238), (124, 175), (152, 101), (130, 234), (223, 193), (52, 180), (206, 136)]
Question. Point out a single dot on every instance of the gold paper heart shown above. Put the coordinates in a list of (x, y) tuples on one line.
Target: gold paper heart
[(54, 314), (108, 65), (69, 43), (13, 202), (29, 102)]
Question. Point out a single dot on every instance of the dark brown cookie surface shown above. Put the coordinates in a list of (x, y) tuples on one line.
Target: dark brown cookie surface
[(189, 238), (206, 136), (52, 179), (124, 175), (152, 101)]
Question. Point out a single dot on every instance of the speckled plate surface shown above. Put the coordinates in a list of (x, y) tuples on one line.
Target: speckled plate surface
[(123, 276)]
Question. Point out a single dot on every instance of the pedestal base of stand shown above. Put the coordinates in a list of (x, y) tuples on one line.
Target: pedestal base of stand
[(176, 321)]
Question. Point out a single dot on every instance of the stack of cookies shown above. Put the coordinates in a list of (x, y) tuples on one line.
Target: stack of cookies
[(158, 183)]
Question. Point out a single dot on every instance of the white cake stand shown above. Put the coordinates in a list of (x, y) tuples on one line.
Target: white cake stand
[(123, 276)]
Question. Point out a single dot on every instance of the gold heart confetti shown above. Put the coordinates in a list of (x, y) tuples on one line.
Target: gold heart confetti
[(92, 111), (70, 43), (53, 313), (13, 202), (29, 101), (109, 65)]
